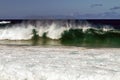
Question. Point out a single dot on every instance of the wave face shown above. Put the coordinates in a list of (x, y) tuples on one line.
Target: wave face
[(53, 28)]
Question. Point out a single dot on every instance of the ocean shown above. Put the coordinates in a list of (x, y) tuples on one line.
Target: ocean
[(59, 50)]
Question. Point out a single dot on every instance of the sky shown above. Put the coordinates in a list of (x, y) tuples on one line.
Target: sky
[(82, 9)]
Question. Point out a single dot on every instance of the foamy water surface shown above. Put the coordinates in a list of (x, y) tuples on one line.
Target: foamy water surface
[(59, 63)]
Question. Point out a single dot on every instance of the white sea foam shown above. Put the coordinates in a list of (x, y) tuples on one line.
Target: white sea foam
[(39, 63), (5, 22), (53, 31), (16, 32), (107, 28), (23, 31)]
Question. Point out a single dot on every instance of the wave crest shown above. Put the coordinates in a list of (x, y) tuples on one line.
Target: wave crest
[(53, 29)]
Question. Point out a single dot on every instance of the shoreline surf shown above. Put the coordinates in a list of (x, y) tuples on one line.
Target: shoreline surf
[(58, 63)]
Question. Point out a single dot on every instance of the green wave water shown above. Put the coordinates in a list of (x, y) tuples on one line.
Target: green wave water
[(91, 38)]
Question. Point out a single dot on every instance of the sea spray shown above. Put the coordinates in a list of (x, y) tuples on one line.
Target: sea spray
[(53, 29), (16, 32), (23, 31)]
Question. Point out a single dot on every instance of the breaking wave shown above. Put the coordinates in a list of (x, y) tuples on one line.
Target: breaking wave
[(53, 29)]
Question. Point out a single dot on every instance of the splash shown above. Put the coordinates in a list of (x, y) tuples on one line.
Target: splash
[(5, 22), (52, 28)]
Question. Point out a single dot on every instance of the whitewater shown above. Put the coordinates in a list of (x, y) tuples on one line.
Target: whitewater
[(59, 63)]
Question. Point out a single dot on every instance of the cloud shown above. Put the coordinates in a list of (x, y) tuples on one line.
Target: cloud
[(115, 8), (96, 5)]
